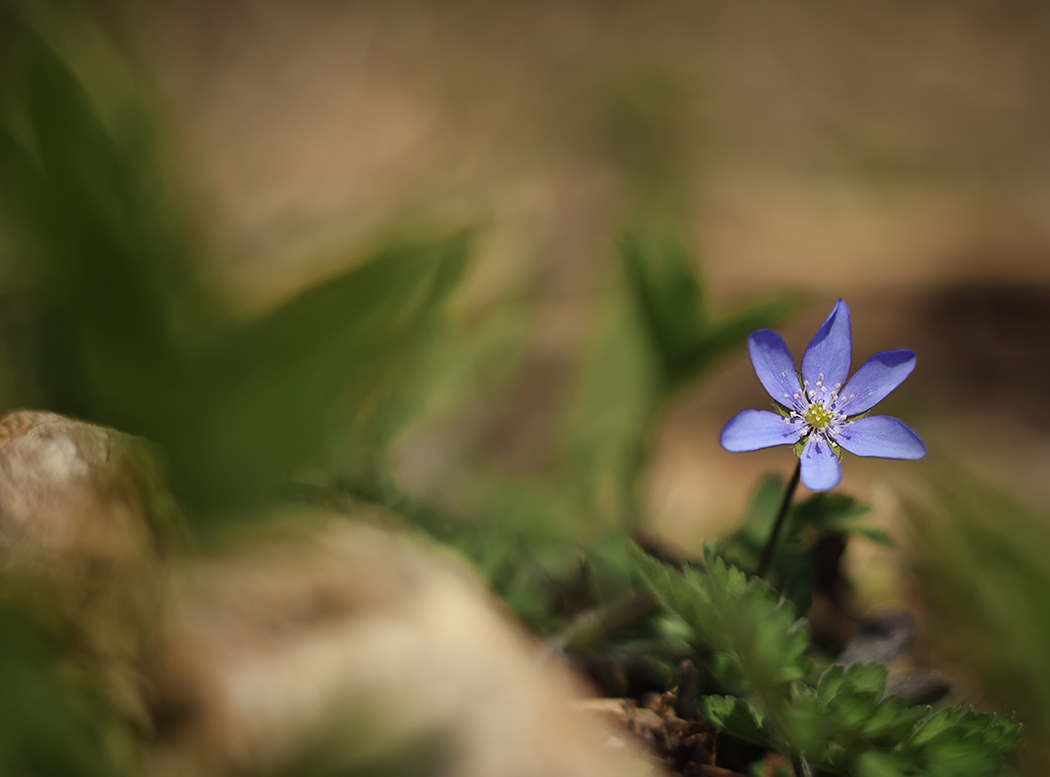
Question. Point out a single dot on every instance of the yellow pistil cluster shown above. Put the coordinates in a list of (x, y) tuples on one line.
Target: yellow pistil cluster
[(818, 416)]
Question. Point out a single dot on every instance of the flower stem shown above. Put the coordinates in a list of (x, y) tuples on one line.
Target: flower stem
[(785, 506)]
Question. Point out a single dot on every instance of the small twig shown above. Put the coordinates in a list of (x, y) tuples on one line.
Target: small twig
[(778, 524)]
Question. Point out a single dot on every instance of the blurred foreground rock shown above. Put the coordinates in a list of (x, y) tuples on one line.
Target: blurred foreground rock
[(83, 522), (321, 646)]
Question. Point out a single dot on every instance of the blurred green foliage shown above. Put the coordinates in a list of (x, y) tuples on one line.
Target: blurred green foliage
[(54, 719), (686, 337), (358, 744), (130, 334), (979, 556)]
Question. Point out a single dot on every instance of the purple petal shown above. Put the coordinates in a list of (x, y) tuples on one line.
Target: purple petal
[(820, 467), (882, 436), (828, 354), (754, 429), (876, 378), (773, 365)]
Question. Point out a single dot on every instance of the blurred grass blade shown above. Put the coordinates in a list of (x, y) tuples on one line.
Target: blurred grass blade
[(668, 292), (81, 180), (686, 337), (339, 357), (135, 338), (984, 580)]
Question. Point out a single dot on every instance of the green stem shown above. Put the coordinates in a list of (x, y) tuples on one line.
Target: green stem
[(785, 507)]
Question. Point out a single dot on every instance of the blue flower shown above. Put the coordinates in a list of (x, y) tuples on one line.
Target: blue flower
[(819, 412)]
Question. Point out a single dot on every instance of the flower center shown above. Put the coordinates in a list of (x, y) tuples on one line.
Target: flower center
[(818, 416)]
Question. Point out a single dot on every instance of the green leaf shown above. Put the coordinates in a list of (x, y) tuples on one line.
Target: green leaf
[(610, 412), (959, 741), (850, 717), (740, 718), (947, 732), (878, 764), (867, 679), (741, 618), (686, 338), (668, 293), (878, 536), (831, 512), (725, 336), (134, 336), (891, 721), (829, 684), (276, 393)]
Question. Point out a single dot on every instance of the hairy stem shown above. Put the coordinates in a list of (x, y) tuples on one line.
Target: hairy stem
[(778, 525)]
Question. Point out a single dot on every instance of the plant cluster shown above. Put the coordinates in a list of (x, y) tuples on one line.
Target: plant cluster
[(841, 721)]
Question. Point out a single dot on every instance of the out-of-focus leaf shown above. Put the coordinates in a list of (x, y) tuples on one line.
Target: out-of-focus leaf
[(668, 292), (611, 414), (959, 742), (685, 336), (876, 764), (830, 512), (343, 351), (140, 341), (979, 557), (876, 535), (53, 721)]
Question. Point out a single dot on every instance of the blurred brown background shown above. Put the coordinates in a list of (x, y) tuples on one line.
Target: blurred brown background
[(894, 155)]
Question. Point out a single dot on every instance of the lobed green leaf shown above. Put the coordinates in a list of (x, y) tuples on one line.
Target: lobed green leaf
[(740, 718), (741, 618)]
